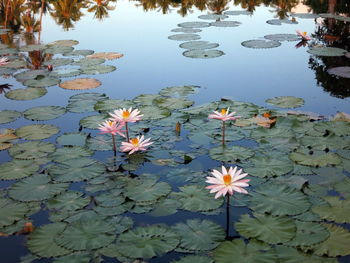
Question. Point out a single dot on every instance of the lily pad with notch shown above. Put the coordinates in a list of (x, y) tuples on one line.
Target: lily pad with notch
[(212, 53), (26, 94), (44, 113), (256, 44), (184, 37)]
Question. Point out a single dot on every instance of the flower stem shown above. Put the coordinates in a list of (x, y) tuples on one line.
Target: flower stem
[(127, 131), (227, 216), (114, 146), (223, 133)]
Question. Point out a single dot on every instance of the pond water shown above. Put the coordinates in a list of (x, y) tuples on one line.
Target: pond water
[(59, 176)]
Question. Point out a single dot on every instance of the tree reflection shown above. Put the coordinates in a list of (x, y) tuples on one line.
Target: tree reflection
[(100, 8)]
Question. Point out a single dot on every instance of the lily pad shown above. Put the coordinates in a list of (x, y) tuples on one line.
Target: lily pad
[(31, 150), (84, 102), (230, 153), (260, 44), (265, 166), (37, 131), (61, 155), (58, 62), (17, 169), (198, 45), (147, 191), (186, 30), (317, 158), (44, 113), (184, 37), (165, 208), (237, 12), (194, 24), (212, 16), (35, 188), (106, 55), (212, 53), (112, 104), (79, 52), (31, 48), (100, 143), (72, 139), (172, 103), (11, 211), (339, 128), (199, 235), (80, 84), (286, 102), (226, 23), (6, 136), (305, 15), (64, 43), (276, 200), (155, 113), (308, 233), (327, 51), (92, 122), (7, 116), (147, 242), (57, 49), (193, 258), (30, 74), (26, 94), (97, 69), (65, 73), (337, 210), (267, 228), (41, 82), (278, 22), (238, 250), (87, 62), (282, 37), (68, 201)]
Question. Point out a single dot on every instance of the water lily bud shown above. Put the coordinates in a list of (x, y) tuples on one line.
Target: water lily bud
[(50, 67)]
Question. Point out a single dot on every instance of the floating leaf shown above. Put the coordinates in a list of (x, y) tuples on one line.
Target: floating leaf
[(26, 94), (31, 150), (36, 131), (30, 74), (327, 51), (343, 72), (87, 62), (317, 158), (165, 208), (199, 235), (74, 258), (7, 116), (198, 45), (225, 23), (100, 143), (41, 241), (64, 43), (267, 228), (58, 62), (184, 37), (79, 52), (260, 44), (305, 15), (308, 233), (212, 17), (194, 24), (6, 137), (230, 153), (17, 169), (112, 104), (56, 49), (278, 22), (97, 69), (186, 30), (70, 200), (10, 212), (155, 113), (147, 191), (213, 53), (339, 128), (286, 102), (72, 139), (276, 200), (172, 103), (65, 73), (31, 48), (192, 258), (44, 113), (80, 84), (84, 102), (41, 82), (64, 154), (93, 122), (238, 250), (337, 210), (147, 242), (265, 166), (106, 55), (237, 12), (35, 188), (282, 37)]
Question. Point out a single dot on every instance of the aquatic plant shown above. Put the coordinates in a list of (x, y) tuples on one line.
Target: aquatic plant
[(303, 35), (112, 128), (136, 144), (125, 116)]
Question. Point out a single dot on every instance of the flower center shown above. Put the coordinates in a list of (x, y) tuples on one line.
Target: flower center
[(227, 179), (304, 33), (110, 123), (126, 114), (223, 111), (134, 141)]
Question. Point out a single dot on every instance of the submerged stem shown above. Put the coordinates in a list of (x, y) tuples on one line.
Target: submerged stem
[(127, 132), (227, 216), (114, 146), (223, 133)]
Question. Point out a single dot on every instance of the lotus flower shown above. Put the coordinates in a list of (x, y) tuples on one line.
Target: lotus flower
[(111, 127), (136, 144), (4, 61), (223, 115), (303, 35), (124, 115), (227, 182)]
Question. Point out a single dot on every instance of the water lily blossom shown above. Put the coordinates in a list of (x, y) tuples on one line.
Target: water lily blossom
[(4, 61), (303, 35), (223, 115), (229, 181), (111, 127), (125, 116), (136, 144)]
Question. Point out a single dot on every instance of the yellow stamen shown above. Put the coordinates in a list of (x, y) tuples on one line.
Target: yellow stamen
[(134, 141), (223, 111), (110, 123), (126, 114), (304, 33), (227, 179)]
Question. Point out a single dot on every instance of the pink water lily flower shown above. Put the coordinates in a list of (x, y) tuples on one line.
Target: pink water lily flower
[(223, 115), (227, 182), (4, 61), (136, 144), (303, 35), (111, 127), (124, 115)]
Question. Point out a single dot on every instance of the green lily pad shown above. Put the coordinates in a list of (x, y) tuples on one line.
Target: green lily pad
[(196, 199), (186, 30), (72, 139), (36, 131), (74, 258), (79, 52), (172, 103), (154, 113), (282, 37), (147, 242), (343, 72), (7, 116), (65, 73), (305, 15), (267, 228), (178, 91), (26, 94), (260, 44), (30, 48), (86, 235), (41, 241), (339, 128), (17, 169), (317, 158), (192, 258), (111, 104), (41, 82), (327, 51), (147, 191), (308, 233), (87, 62), (278, 200), (31, 150), (61, 155), (337, 210), (286, 102), (68, 201), (237, 12), (30, 74), (10, 212), (84, 102), (330, 142), (238, 250), (265, 166), (165, 208), (35, 188), (97, 69), (230, 153), (194, 24), (44, 113), (212, 16), (93, 122), (184, 37), (278, 22), (212, 53), (145, 99), (199, 235), (100, 143), (64, 43), (198, 45), (226, 23), (58, 49), (75, 170), (57, 62)]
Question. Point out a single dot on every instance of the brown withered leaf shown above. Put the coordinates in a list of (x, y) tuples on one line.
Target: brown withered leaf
[(80, 84)]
